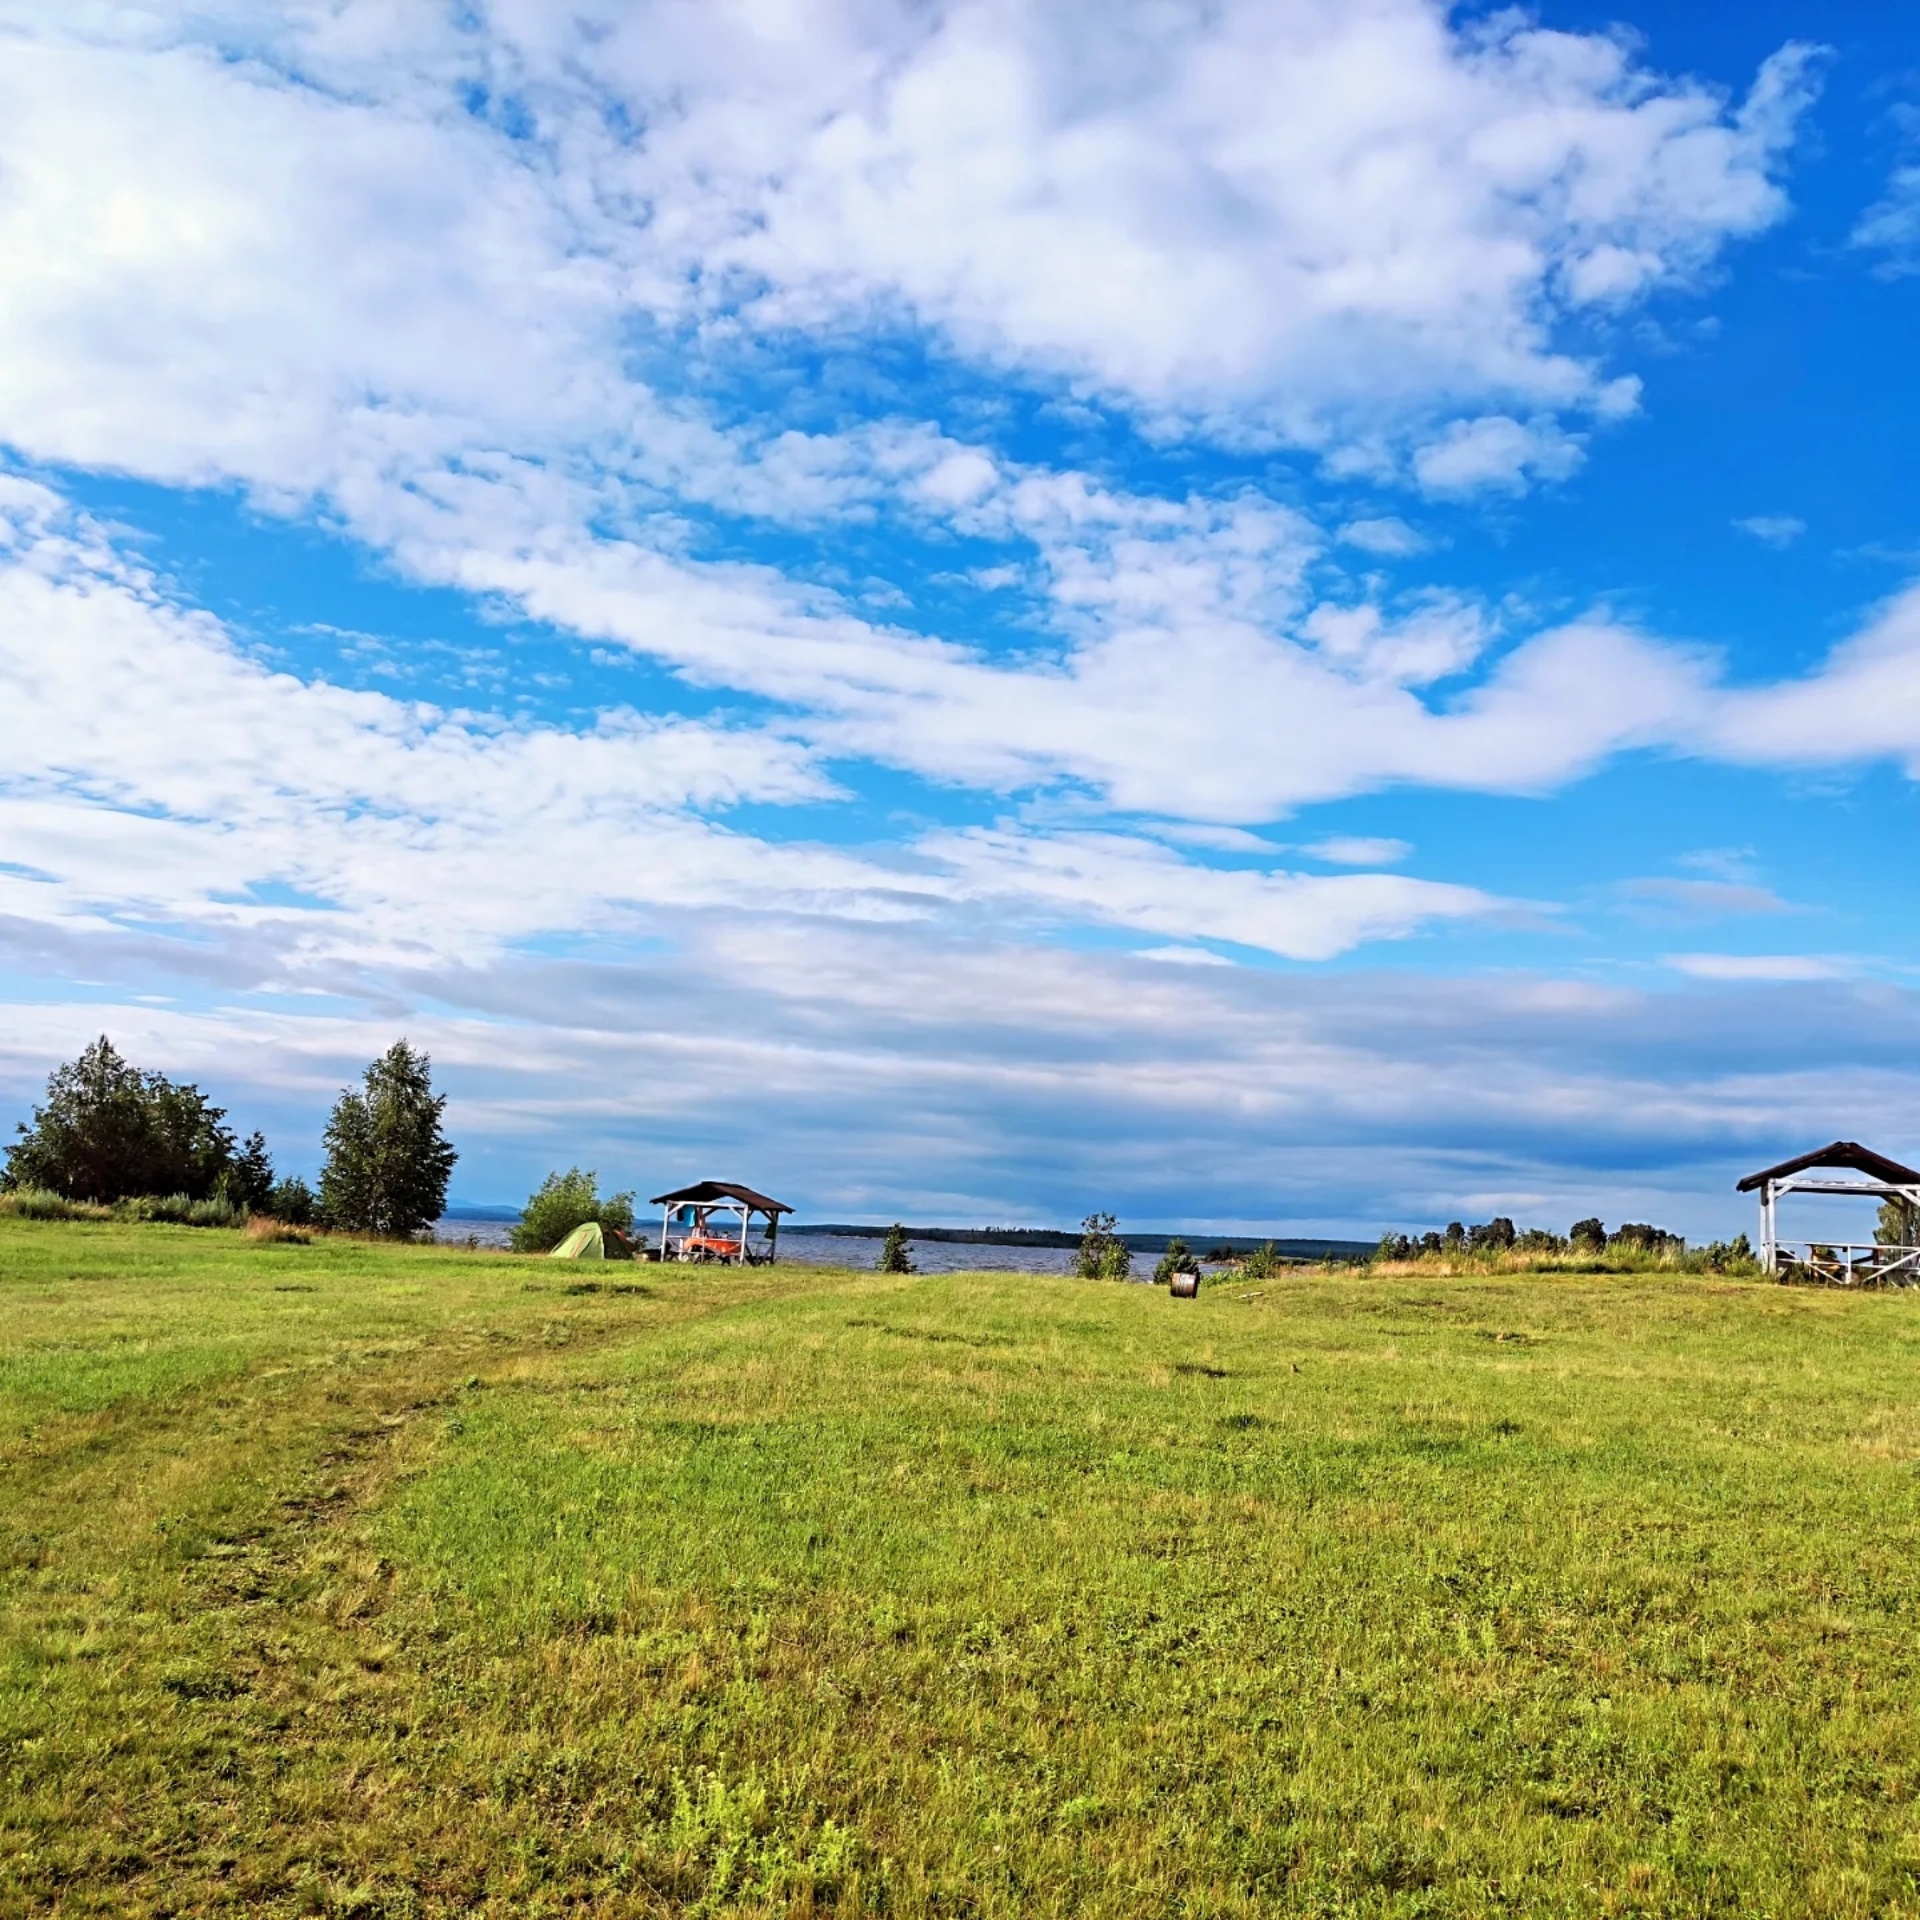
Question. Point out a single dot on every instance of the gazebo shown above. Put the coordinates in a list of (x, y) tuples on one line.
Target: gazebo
[(715, 1219), (1837, 1263)]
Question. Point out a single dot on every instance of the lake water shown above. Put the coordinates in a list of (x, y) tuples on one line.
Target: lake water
[(842, 1250)]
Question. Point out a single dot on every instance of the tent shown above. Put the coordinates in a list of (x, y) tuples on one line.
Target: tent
[(583, 1243)]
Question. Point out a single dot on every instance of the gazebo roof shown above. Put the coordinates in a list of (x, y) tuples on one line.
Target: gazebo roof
[(702, 1192), (1841, 1153)]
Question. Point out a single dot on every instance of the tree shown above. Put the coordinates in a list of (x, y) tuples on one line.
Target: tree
[(108, 1131), (894, 1256), (567, 1200), (1587, 1236), (387, 1160), (248, 1182), (1176, 1259), (1103, 1254), (1898, 1224), (292, 1202)]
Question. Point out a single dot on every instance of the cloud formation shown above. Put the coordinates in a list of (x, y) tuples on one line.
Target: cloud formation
[(1053, 412)]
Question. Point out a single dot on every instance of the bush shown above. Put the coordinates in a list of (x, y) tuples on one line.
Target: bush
[(41, 1203), (264, 1227), (1176, 1259), (291, 1202), (107, 1131), (1103, 1254), (563, 1201), (1263, 1263), (894, 1256), (388, 1162), (181, 1210)]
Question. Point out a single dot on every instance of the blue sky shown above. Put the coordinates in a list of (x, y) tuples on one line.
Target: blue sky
[(1286, 615)]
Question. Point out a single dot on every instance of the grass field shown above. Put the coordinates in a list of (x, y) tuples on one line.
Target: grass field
[(350, 1580)]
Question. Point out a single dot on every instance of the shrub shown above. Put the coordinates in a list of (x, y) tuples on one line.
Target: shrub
[(388, 1161), (291, 1201), (1103, 1254), (181, 1210), (894, 1256), (1176, 1259), (264, 1227), (1262, 1263), (563, 1201)]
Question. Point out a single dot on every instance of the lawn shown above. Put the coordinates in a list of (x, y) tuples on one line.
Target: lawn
[(351, 1580)]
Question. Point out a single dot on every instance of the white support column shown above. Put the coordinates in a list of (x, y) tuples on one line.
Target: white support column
[(1768, 1255)]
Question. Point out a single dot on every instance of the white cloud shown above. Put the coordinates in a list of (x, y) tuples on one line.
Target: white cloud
[(1773, 529), (1862, 703), (1494, 452), (1359, 850), (1441, 636), (206, 778), (285, 245), (1117, 879), (1891, 226), (1183, 956), (1712, 898), (1387, 536), (1774, 967)]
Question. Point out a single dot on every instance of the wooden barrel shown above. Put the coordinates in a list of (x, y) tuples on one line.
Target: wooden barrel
[(1184, 1285)]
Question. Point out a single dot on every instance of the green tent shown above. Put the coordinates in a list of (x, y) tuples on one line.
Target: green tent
[(585, 1242)]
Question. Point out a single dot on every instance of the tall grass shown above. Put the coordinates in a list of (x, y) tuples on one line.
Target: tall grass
[(40, 1203)]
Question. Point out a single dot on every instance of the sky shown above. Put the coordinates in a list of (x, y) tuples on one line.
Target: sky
[(1270, 614)]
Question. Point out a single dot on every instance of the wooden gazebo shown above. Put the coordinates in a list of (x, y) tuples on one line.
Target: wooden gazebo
[(1837, 1263), (716, 1219)]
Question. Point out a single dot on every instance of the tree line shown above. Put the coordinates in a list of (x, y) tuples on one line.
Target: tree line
[(112, 1134)]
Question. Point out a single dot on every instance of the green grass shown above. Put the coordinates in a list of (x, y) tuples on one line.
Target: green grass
[(343, 1579)]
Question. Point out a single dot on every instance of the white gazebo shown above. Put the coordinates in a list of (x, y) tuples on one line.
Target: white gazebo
[(1837, 1263)]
